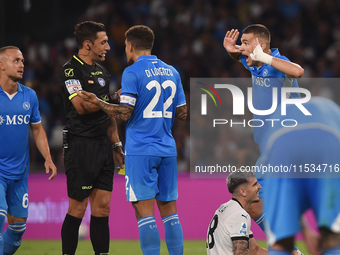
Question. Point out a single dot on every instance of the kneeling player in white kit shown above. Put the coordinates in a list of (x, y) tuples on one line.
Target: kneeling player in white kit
[(229, 231)]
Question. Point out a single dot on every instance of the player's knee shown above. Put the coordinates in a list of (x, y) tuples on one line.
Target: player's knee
[(329, 239), (167, 208), (77, 211), (102, 210), (142, 209)]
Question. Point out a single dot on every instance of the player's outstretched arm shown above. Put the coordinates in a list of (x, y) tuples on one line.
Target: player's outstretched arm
[(229, 43), (40, 139), (119, 112), (255, 249), (181, 112), (289, 68)]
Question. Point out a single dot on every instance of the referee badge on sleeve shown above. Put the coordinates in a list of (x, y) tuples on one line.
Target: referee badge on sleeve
[(71, 85)]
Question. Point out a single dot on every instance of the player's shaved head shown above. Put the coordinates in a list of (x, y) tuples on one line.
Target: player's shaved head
[(237, 178), (4, 49), (259, 31)]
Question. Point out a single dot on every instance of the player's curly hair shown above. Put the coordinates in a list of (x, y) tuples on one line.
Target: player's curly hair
[(237, 178), (141, 37), (258, 30), (87, 30)]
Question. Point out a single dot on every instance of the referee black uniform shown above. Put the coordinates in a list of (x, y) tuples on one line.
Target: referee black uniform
[(88, 154)]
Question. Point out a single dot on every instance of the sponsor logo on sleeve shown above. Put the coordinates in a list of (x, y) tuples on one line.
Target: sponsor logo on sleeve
[(69, 72), (243, 229), (71, 85)]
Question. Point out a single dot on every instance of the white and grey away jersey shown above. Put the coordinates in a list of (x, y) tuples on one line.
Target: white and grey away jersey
[(230, 222)]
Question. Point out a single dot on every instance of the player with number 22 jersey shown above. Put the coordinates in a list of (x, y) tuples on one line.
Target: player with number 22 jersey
[(155, 90)]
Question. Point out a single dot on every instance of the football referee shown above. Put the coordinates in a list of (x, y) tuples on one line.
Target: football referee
[(90, 140)]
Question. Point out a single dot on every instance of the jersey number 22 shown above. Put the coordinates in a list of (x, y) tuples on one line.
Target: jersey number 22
[(149, 110)]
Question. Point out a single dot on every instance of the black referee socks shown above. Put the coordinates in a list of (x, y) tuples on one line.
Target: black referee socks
[(100, 235)]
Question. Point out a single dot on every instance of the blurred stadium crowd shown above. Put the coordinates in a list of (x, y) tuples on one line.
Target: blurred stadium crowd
[(189, 36)]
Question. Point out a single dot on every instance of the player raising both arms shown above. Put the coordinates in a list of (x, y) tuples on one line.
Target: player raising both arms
[(269, 70)]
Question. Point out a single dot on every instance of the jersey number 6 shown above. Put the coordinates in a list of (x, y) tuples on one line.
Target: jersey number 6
[(148, 111)]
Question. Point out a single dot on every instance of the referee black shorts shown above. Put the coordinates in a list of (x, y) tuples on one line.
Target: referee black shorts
[(89, 165)]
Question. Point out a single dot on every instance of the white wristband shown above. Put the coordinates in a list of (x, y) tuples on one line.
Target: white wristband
[(259, 55), (116, 145)]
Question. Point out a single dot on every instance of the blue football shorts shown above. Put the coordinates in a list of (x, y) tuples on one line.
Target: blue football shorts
[(286, 199), (149, 177), (14, 196)]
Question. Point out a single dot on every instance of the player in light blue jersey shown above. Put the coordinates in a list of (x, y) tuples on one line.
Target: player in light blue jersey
[(314, 144), (151, 97), (19, 109), (269, 70)]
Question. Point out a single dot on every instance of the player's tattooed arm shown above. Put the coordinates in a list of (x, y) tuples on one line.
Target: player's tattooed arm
[(119, 112), (240, 247), (181, 112)]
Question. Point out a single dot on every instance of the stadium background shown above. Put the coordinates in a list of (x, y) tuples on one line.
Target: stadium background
[(189, 36)]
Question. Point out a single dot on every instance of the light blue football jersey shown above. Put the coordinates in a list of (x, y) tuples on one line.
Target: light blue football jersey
[(15, 116), (264, 79), (156, 90), (325, 115), (311, 151)]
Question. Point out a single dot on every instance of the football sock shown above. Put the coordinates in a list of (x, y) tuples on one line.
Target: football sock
[(278, 252), (12, 237), (150, 241), (69, 234), (173, 234), (100, 235), (332, 251), (3, 215)]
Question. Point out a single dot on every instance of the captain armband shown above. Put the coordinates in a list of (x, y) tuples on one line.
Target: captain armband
[(127, 99)]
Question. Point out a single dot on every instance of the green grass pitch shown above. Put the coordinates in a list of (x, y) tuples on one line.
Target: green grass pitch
[(117, 247)]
